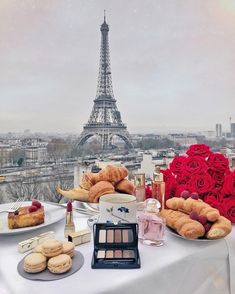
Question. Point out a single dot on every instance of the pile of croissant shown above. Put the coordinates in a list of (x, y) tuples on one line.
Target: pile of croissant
[(109, 180), (194, 219)]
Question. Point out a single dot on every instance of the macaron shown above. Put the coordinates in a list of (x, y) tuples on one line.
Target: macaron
[(59, 264), (51, 248), (35, 263), (38, 249), (68, 248)]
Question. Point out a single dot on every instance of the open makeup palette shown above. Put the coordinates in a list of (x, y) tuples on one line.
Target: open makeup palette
[(116, 246)]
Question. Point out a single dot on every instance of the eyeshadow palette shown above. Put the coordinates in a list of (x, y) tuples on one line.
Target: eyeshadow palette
[(115, 246)]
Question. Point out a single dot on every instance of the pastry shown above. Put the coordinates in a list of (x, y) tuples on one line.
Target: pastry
[(221, 228), (183, 224), (52, 248), (35, 263), (68, 248), (76, 193), (59, 264), (88, 180), (99, 189), (26, 216), (112, 174), (190, 205), (125, 186)]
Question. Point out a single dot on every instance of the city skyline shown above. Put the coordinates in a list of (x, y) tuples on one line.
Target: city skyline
[(172, 64)]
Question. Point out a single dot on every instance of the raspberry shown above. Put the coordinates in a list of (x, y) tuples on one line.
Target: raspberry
[(194, 215), (207, 227), (202, 219), (36, 203), (185, 194), (195, 196), (32, 208)]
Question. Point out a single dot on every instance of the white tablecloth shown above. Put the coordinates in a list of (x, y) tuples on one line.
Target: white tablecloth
[(180, 266)]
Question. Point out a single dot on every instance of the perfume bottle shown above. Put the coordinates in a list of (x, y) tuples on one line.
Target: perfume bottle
[(151, 224), (139, 182), (69, 225), (158, 186)]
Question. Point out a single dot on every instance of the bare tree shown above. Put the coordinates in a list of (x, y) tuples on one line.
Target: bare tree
[(62, 179), (27, 188), (50, 193), (2, 198)]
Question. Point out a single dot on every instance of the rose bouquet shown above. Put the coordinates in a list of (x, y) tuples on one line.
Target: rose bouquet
[(203, 173)]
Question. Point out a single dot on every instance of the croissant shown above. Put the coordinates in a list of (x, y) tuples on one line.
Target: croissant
[(76, 193), (99, 189), (112, 174), (190, 204), (88, 180), (221, 228), (183, 224), (125, 186)]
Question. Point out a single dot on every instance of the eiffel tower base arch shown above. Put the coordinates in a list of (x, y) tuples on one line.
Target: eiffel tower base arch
[(106, 136)]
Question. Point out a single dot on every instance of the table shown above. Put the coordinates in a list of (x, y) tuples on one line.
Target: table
[(180, 266)]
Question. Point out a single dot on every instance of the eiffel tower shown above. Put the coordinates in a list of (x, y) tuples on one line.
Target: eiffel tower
[(105, 119)]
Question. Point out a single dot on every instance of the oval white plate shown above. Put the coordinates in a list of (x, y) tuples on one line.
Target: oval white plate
[(172, 232), (53, 214)]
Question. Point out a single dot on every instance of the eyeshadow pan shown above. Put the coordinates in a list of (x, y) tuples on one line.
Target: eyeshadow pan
[(125, 238), (110, 236), (102, 236), (101, 254), (128, 254), (118, 236), (109, 254), (118, 254), (130, 236)]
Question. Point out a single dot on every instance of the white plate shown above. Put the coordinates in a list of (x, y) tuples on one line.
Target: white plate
[(172, 232), (53, 214)]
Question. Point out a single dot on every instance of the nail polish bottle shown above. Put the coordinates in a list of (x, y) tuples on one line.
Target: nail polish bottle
[(151, 224), (69, 225)]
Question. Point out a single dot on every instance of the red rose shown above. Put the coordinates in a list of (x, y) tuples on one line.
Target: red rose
[(180, 189), (229, 208), (168, 176), (212, 201), (199, 150), (217, 177), (201, 184), (183, 179), (170, 183), (218, 162), (229, 184), (176, 165), (194, 165), (216, 193), (148, 192)]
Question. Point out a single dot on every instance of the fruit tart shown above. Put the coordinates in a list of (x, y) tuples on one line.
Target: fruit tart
[(27, 216)]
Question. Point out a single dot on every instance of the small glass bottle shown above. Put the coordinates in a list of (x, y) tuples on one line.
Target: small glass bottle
[(158, 186), (151, 224), (69, 225), (139, 182)]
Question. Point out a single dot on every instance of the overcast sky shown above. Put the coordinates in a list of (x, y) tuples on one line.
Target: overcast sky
[(172, 61)]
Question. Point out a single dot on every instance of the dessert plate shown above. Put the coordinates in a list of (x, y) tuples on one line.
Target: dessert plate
[(46, 275), (174, 233), (53, 214)]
